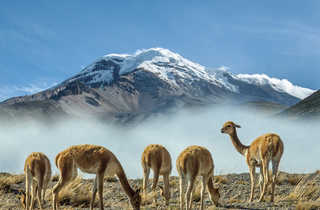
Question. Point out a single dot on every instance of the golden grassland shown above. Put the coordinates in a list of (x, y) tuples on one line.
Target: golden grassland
[(293, 191)]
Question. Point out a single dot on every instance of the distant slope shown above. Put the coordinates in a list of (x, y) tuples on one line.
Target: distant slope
[(264, 107), (309, 108)]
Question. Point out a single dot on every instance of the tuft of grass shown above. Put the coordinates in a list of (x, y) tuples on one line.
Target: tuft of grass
[(243, 182), (221, 180), (307, 189), (110, 179), (235, 199), (292, 179), (7, 180), (308, 205), (76, 194), (148, 198)]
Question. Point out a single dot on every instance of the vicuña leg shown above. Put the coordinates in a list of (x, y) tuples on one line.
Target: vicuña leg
[(189, 192), (182, 182), (166, 190), (203, 189), (155, 181), (39, 190), (265, 171), (100, 189), (252, 170), (28, 188), (261, 179), (146, 173), (275, 166), (94, 193)]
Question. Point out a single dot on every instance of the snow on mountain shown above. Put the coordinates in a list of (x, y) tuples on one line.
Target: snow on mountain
[(162, 62), (166, 64), (170, 67), (280, 85)]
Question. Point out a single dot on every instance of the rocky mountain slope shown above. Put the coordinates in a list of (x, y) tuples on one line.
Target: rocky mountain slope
[(309, 108), (120, 87)]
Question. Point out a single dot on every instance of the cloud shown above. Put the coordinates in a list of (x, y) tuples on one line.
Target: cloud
[(224, 68), (175, 132)]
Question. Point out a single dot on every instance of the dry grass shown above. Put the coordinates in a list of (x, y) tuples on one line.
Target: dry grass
[(7, 181), (149, 197), (75, 194), (308, 205), (110, 179), (243, 182), (302, 192), (307, 190), (221, 180), (285, 178)]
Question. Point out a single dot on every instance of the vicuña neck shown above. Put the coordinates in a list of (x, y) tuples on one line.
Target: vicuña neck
[(237, 143), (124, 182)]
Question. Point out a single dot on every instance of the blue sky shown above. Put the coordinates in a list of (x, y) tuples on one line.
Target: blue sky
[(45, 42)]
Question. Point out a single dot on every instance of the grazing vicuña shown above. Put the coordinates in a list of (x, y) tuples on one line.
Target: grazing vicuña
[(192, 162), (157, 158), (97, 160), (37, 170)]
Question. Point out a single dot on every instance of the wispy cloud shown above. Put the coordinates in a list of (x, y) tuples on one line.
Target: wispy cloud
[(224, 68), (16, 90)]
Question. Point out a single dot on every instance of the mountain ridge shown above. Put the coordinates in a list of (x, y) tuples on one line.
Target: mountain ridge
[(156, 80)]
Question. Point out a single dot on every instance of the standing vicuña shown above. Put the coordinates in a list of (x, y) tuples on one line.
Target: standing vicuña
[(192, 162), (157, 158), (37, 170), (264, 149), (92, 159)]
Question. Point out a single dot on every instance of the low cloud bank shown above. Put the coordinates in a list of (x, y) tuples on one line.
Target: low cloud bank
[(201, 127)]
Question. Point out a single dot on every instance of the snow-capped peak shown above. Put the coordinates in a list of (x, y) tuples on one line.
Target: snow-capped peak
[(143, 58), (281, 85), (175, 70), (162, 62)]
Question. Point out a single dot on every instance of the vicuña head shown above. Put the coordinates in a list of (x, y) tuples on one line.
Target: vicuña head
[(264, 149), (229, 127)]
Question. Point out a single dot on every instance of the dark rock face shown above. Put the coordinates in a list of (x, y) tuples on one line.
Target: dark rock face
[(309, 108)]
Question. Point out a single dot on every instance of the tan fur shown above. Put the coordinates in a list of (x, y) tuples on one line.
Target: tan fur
[(157, 158), (37, 170), (192, 162), (266, 148), (92, 159)]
